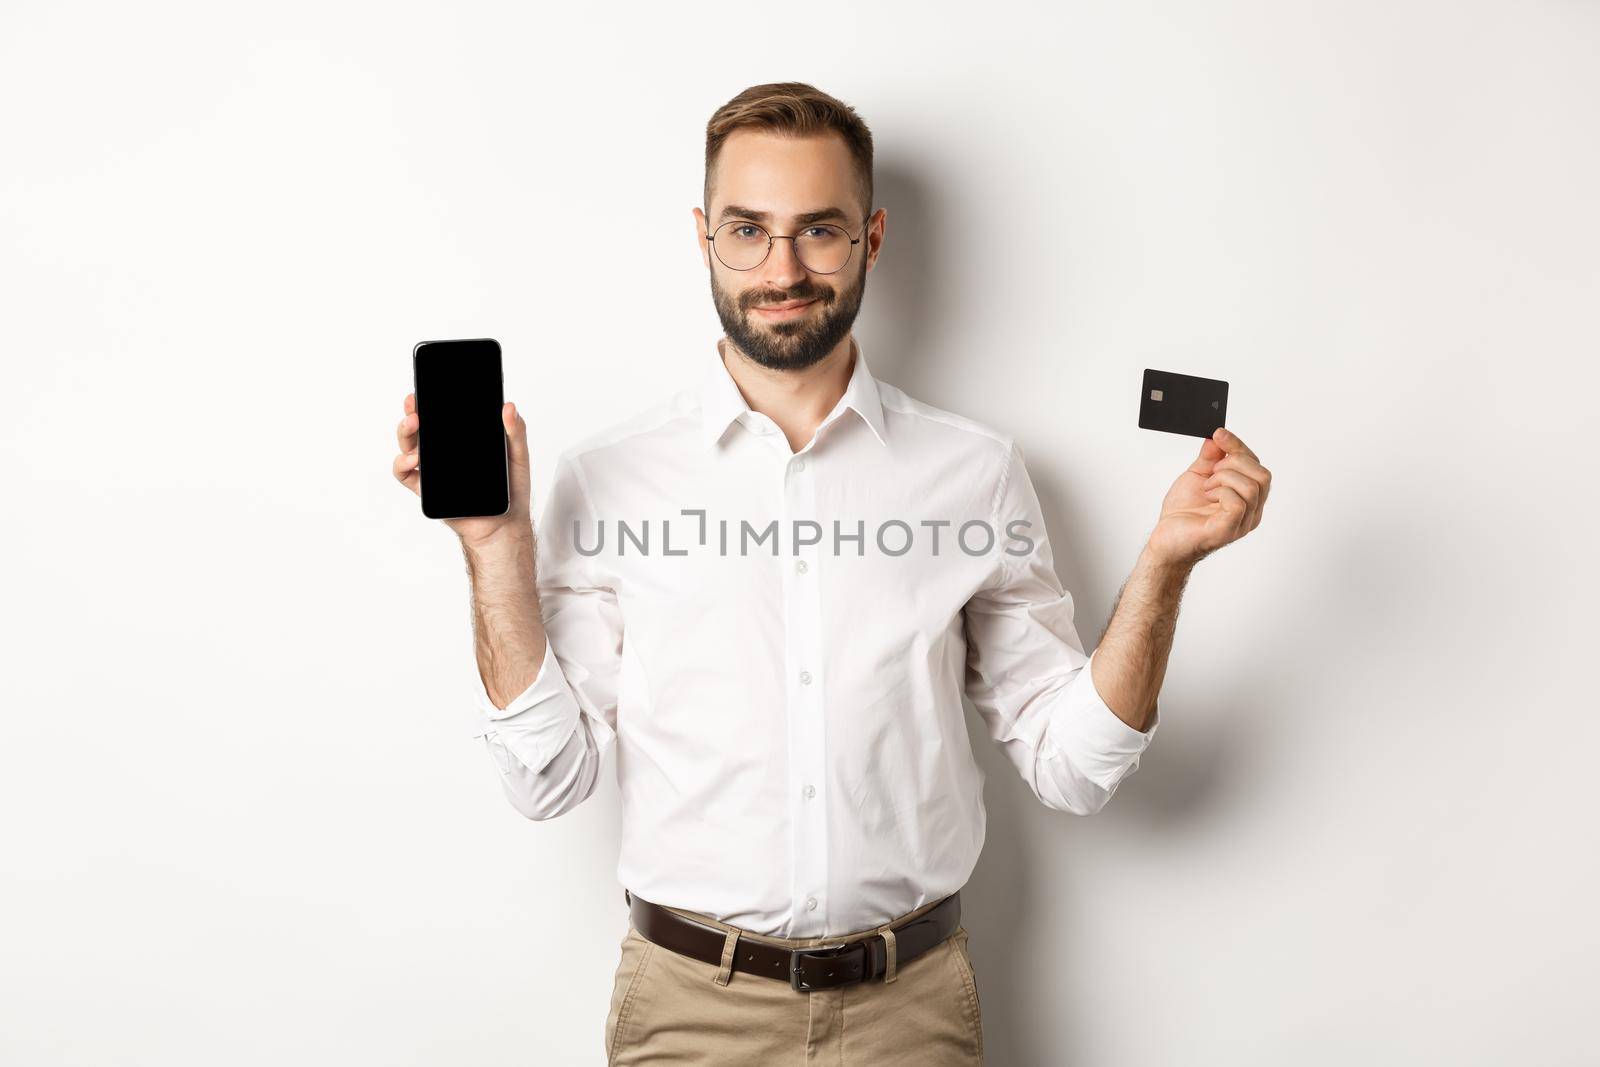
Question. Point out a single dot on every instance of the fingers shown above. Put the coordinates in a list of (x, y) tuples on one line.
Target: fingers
[(405, 470), (1230, 442), (1252, 494), (405, 464), (1249, 466), (1231, 503), (406, 432), (1251, 490), (1249, 478), (1238, 476), (1210, 453)]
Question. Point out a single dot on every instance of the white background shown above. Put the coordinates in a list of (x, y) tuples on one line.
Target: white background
[(245, 822)]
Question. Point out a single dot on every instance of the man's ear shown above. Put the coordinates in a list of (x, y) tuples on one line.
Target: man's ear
[(877, 225), (700, 237)]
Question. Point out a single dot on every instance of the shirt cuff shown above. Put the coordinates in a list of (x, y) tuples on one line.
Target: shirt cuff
[(539, 720), (1089, 734)]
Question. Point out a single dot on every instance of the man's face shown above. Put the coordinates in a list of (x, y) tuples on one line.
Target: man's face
[(784, 178)]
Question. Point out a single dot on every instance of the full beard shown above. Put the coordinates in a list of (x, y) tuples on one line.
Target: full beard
[(798, 344)]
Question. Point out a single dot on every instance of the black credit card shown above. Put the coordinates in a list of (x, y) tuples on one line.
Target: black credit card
[(1182, 403)]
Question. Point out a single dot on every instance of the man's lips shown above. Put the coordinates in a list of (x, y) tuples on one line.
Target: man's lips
[(790, 306)]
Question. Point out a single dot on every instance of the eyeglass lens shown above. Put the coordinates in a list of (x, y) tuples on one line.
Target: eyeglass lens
[(821, 248)]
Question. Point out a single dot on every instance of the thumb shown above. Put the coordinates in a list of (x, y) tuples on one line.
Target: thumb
[(1210, 452), (516, 433)]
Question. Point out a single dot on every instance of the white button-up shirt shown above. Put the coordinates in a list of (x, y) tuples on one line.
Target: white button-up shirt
[(778, 642)]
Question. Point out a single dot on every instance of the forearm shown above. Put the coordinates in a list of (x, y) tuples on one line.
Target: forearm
[(1131, 659), (507, 626)]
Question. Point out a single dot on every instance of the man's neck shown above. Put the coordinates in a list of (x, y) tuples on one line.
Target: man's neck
[(797, 400)]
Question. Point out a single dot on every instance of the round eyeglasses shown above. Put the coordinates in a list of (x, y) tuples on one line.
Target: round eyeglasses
[(821, 248)]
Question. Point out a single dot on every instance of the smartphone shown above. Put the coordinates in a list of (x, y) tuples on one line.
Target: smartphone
[(462, 451)]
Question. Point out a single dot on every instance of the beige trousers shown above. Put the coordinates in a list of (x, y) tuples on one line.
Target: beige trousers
[(671, 1008)]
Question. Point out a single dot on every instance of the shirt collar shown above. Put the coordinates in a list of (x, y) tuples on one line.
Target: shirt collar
[(721, 402)]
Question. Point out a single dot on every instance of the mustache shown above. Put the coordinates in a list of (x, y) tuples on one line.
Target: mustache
[(760, 299)]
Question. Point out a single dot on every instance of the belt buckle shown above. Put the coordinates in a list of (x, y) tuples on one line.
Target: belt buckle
[(823, 952)]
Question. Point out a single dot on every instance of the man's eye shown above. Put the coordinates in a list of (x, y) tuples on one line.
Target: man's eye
[(738, 231)]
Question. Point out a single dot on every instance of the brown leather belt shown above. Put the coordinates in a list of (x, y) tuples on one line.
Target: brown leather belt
[(822, 967)]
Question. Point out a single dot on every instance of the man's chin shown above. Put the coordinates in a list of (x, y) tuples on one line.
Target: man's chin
[(774, 360), (782, 360)]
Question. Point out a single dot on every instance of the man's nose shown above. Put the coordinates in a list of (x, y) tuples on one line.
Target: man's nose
[(782, 268)]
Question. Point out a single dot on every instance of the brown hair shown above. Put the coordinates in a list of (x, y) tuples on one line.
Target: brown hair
[(796, 109)]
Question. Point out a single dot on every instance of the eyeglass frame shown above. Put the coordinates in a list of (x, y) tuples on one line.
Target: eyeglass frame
[(771, 237)]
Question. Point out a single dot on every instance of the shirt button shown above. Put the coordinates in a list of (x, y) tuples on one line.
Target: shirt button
[(811, 903), (799, 464), (800, 566), (811, 791), (805, 677)]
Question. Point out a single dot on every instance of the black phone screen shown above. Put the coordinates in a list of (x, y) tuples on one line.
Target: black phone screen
[(461, 441)]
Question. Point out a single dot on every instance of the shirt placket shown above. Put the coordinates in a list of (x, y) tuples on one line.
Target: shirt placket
[(807, 683)]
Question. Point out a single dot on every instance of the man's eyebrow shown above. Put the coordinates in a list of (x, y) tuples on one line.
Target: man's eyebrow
[(734, 211)]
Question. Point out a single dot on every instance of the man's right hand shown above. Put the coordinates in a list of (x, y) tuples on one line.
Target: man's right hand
[(478, 530)]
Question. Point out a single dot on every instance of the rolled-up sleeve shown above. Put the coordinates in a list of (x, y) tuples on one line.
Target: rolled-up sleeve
[(548, 742), (1027, 673)]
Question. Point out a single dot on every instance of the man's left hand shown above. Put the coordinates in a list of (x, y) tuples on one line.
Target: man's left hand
[(1215, 502)]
